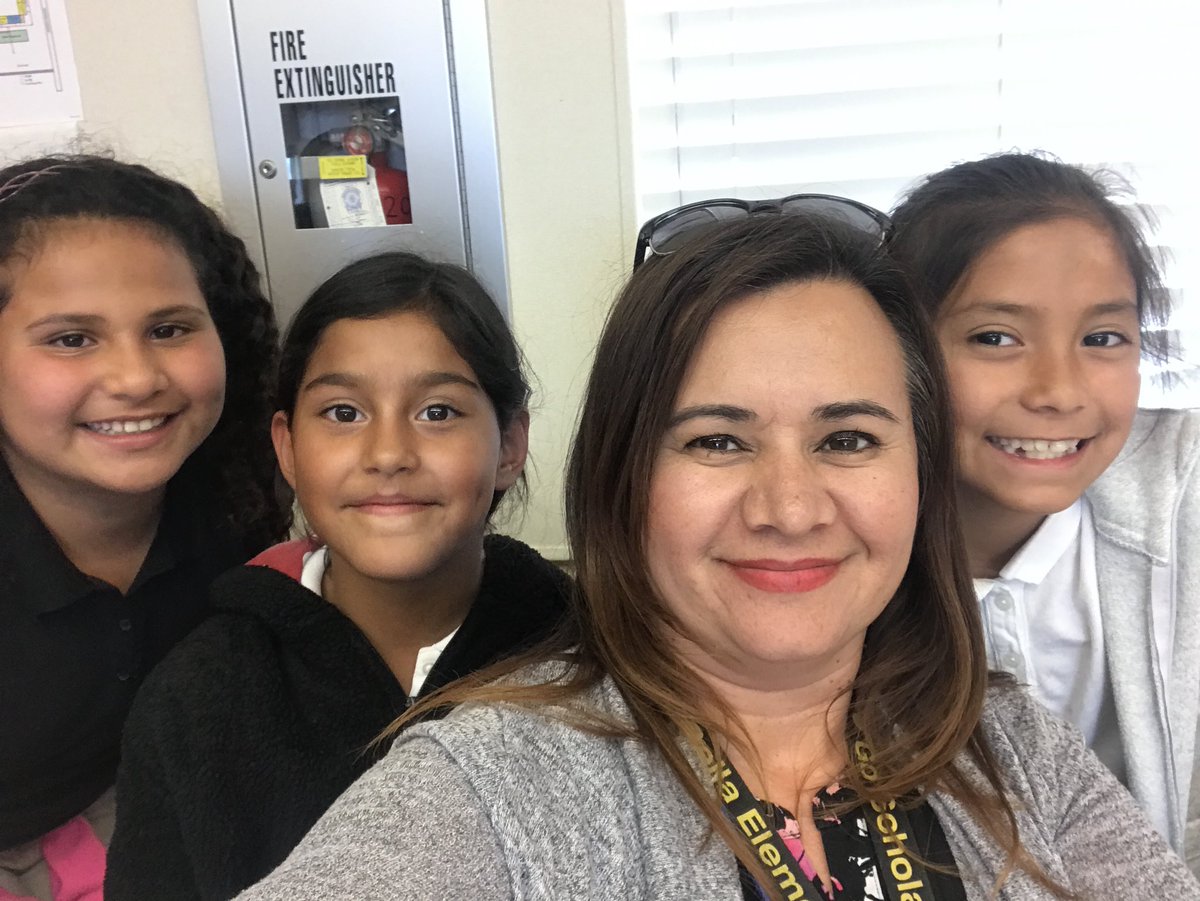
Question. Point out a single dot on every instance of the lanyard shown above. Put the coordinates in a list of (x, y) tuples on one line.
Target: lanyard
[(903, 877)]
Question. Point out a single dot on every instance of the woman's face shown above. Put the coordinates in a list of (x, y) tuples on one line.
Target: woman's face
[(1042, 348), (783, 498)]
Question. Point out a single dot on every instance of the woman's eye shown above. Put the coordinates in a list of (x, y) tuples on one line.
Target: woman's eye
[(849, 442), (341, 413), (167, 331), (438, 413), (1105, 339), (994, 339), (71, 341), (717, 444)]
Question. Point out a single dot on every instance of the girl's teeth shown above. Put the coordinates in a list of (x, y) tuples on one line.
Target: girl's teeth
[(126, 426), (1036, 448)]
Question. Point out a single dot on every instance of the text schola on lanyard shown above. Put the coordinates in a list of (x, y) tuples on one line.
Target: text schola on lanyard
[(904, 878)]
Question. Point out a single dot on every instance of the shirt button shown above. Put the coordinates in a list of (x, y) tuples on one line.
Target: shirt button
[(1011, 661), (125, 625), (1004, 601), (124, 677), (425, 668)]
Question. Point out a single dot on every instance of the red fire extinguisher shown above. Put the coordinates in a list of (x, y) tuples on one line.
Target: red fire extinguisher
[(393, 190)]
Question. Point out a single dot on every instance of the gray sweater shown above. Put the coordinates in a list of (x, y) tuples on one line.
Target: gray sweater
[(1146, 508), (501, 802)]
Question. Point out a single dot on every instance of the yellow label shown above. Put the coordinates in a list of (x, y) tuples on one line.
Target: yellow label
[(335, 167)]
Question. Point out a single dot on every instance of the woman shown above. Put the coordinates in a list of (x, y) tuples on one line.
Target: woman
[(760, 504)]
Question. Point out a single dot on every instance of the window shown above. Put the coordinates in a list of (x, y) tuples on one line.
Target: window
[(759, 99)]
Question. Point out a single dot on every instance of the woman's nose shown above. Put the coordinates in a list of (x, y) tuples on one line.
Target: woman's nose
[(787, 493)]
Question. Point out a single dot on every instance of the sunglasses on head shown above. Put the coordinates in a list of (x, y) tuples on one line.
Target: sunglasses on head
[(669, 231)]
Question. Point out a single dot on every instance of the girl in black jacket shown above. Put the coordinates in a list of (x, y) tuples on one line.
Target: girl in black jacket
[(403, 425)]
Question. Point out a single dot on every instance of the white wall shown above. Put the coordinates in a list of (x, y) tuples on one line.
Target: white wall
[(141, 79), (564, 158), (558, 75)]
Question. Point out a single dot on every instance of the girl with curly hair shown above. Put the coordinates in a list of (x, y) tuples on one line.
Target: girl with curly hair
[(136, 358)]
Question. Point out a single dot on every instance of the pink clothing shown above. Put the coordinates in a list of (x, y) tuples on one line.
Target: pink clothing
[(75, 858)]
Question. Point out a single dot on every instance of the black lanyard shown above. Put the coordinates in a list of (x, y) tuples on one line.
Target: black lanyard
[(903, 877)]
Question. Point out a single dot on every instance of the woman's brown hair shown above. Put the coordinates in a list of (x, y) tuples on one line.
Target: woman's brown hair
[(918, 696)]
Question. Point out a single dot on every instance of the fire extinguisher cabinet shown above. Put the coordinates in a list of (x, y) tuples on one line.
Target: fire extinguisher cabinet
[(350, 128)]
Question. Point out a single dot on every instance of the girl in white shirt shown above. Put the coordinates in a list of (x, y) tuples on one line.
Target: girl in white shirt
[(1076, 506)]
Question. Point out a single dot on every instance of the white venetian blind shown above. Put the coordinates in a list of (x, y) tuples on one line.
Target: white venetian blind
[(762, 98)]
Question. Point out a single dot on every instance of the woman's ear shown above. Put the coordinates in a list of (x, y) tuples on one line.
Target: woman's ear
[(281, 437), (514, 446)]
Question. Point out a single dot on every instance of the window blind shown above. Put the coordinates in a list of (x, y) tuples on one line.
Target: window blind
[(760, 99)]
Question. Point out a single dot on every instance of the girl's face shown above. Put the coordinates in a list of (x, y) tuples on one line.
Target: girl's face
[(111, 370), (1042, 344), (783, 499), (394, 449)]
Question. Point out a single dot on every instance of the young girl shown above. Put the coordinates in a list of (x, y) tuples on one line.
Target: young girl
[(135, 465), (403, 424), (1080, 511)]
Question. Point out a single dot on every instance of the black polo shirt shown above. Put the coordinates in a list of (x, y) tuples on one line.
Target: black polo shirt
[(73, 651)]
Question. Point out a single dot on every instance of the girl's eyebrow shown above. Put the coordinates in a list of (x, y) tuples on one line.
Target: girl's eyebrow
[(1104, 308), (93, 320), (425, 381)]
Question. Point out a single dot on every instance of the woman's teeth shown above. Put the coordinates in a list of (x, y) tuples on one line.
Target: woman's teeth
[(126, 426), (1036, 448)]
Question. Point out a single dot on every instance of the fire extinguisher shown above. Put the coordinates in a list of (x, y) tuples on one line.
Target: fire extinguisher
[(393, 190), (392, 184)]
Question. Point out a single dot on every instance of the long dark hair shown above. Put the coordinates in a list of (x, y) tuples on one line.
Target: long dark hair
[(235, 463), (401, 282), (918, 710), (953, 216)]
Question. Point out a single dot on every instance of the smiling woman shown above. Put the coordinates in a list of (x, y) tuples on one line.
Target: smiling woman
[(774, 637)]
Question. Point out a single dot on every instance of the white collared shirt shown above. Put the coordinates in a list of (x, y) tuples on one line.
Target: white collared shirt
[(310, 577), (1041, 622)]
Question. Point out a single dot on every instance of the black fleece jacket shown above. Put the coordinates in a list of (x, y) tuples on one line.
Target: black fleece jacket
[(250, 729)]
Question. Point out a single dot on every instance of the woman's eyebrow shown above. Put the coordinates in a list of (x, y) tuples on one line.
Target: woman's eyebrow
[(713, 411), (846, 409)]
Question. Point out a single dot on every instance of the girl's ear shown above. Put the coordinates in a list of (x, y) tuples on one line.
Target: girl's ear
[(514, 445), (281, 437)]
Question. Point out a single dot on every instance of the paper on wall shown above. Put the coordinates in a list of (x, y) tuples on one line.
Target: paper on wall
[(38, 78)]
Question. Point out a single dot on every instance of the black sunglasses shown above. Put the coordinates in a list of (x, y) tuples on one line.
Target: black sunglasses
[(669, 231)]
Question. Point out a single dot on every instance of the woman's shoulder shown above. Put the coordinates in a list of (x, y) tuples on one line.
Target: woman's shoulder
[(502, 739)]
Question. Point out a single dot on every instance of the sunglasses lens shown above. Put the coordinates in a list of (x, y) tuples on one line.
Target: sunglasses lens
[(837, 210), (672, 234)]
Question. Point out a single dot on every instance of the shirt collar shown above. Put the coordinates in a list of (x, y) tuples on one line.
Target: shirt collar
[(1053, 538)]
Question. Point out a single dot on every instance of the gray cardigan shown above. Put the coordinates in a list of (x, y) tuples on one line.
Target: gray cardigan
[(501, 802), (1146, 508)]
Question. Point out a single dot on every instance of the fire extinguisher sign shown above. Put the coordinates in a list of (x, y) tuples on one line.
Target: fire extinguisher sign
[(299, 79)]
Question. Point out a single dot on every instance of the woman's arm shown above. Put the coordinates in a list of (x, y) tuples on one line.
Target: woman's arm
[(1105, 842), (413, 827)]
